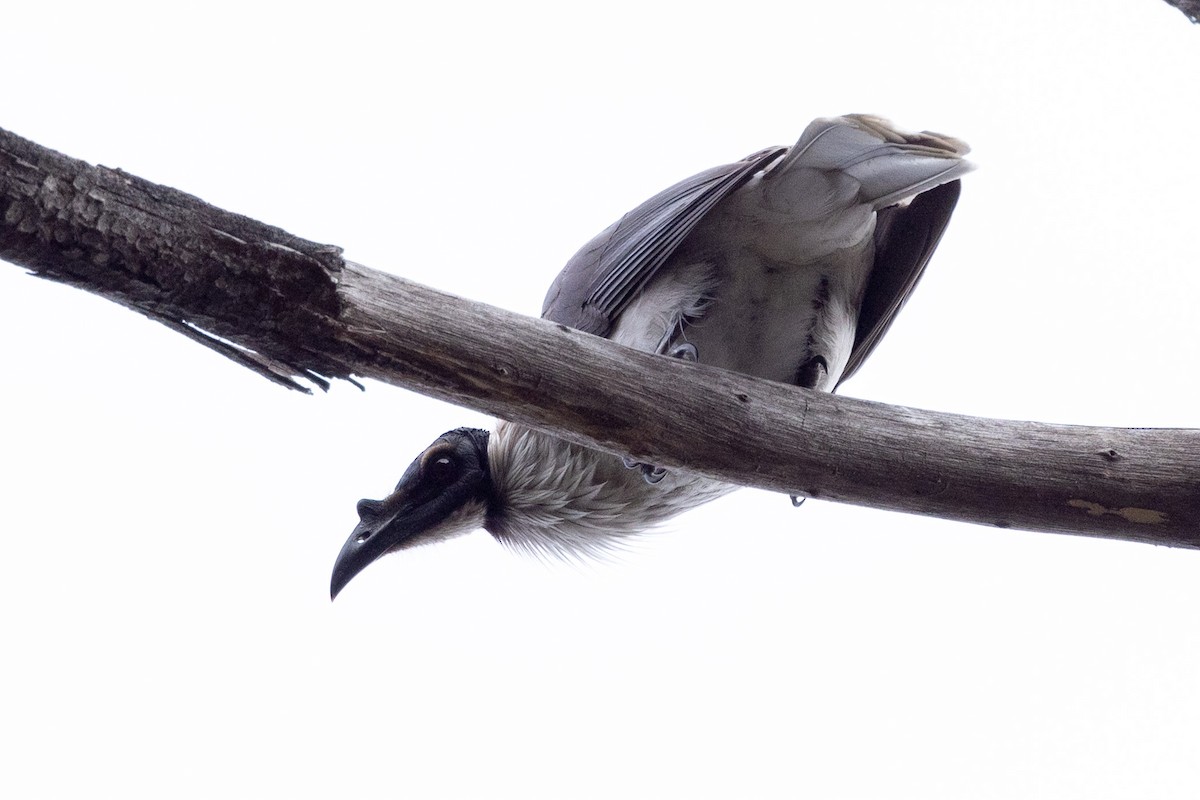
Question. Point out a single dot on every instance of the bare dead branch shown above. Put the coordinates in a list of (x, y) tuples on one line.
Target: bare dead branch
[(1190, 8), (289, 308), (174, 258)]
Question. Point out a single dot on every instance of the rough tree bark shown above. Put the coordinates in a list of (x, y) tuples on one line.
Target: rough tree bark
[(1190, 8), (290, 309)]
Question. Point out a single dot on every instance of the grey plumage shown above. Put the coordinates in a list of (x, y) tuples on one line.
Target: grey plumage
[(790, 264)]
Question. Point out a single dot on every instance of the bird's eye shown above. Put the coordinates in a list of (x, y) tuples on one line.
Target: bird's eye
[(441, 467)]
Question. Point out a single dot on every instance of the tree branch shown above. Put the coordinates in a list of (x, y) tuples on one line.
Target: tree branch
[(205, 272), (1190, 8), (290, 309)]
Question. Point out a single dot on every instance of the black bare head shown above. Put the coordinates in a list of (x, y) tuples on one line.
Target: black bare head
[(445, 492)]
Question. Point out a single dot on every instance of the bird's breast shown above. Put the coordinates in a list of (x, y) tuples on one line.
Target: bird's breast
[(767, 317)]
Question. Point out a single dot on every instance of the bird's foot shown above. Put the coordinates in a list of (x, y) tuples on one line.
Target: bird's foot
[(684, 352), (812, 373), (797, 500), (650, 473)]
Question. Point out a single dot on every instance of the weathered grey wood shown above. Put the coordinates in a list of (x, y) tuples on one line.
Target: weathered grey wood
[(1191, 8), (1137, 484), (299, 310), (201, 270)]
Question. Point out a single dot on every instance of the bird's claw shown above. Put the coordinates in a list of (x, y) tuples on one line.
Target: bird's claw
[(684, 352), (650, 473)]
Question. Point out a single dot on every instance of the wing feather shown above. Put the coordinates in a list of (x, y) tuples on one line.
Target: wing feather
[(905, 238), (608, 272)]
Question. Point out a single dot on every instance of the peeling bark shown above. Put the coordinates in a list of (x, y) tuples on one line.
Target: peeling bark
[(205, 272)]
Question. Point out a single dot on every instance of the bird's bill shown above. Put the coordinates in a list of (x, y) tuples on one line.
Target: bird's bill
[(383, 525), (442, 494)]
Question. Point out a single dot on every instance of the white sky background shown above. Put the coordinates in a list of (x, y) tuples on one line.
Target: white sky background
[(170, 520)]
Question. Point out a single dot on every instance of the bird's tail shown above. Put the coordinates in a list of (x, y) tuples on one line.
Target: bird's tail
[(892, 165)]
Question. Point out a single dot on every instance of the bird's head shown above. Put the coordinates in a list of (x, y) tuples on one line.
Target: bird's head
[(445, 492)]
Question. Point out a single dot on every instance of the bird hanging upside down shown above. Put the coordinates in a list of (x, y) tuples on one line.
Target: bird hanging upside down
[(788, 265)]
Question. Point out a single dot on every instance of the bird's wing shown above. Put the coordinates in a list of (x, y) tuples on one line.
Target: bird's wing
[(608, 272), (905, 238)]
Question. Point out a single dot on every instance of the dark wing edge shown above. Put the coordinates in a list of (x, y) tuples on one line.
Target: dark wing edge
[(602, 278), (905, 238)]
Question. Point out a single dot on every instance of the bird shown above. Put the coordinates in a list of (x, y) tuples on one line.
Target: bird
[(789, 264)]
